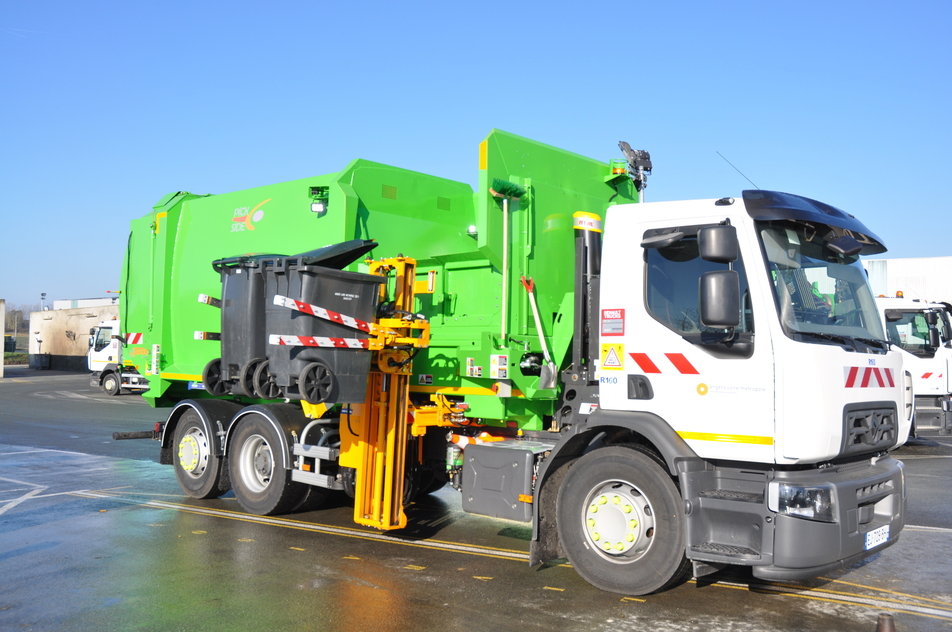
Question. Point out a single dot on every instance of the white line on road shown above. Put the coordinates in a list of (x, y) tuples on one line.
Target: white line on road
[(13, 503)]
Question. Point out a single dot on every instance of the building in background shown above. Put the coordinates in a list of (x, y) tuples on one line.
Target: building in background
[(924, 278), (59, 337)]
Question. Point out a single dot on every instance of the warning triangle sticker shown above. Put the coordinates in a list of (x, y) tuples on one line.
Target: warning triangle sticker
[(612, 360)]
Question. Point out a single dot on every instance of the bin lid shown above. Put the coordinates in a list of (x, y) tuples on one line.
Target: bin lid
[(337, 256)]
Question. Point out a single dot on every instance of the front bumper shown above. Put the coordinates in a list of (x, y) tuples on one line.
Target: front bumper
[(870, 496)]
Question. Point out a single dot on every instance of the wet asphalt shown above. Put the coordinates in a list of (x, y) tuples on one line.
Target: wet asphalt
[(95, 535)]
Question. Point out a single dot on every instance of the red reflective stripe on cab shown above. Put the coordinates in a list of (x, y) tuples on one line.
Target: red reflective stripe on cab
[(681, 364), (889, 379), (851, 377), (879, 376), (645, 362)]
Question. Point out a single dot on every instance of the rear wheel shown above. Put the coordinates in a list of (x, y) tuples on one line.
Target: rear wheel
[(262, 485), (111, 384), (198, 469), (621, 521)]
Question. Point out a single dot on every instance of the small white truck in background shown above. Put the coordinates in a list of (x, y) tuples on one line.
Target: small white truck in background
[(104, 359), (922, 330)]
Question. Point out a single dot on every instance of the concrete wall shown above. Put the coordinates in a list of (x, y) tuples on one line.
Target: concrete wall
[(59, 338)]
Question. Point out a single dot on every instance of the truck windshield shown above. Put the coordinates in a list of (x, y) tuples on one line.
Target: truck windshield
[(820, 294)]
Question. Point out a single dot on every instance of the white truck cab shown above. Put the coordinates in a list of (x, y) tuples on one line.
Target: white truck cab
[(104, 359), (749, 328), (922, 331)]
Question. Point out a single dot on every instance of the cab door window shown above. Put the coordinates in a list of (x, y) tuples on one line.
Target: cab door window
[(103, 337), (673, 273)]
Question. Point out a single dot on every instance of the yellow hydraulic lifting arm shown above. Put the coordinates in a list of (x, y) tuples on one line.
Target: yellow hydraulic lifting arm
[(381, 426)]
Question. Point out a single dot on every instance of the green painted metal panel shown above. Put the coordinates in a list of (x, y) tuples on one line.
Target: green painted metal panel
[(444, 225)]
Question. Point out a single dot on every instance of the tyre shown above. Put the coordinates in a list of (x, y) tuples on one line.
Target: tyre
[(111, 384), (621, 521), (262, 485), (432, 481), (197, 467)]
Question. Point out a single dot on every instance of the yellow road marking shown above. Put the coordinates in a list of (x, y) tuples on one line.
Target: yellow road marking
[(850, 599)]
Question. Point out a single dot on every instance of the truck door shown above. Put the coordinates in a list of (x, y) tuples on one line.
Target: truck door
[(105, 349), (714, 386)]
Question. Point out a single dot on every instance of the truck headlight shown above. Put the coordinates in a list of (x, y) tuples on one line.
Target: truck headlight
[(813, 503)]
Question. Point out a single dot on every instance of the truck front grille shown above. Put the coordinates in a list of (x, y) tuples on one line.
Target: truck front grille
[(868, 429)]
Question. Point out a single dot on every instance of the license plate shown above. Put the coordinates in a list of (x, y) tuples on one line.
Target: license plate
[(876, 537)]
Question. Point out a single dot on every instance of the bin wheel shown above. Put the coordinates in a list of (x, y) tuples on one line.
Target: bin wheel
[(263, 382), (247, 379), (211, 378), (316, 383)]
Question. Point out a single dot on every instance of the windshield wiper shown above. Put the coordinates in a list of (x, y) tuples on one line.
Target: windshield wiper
[(843, 340), (873, 342)]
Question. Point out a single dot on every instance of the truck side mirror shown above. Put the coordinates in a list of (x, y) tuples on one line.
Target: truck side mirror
[(719, 299), (718, 243), (90, 341), (934, 341), (932, 318)]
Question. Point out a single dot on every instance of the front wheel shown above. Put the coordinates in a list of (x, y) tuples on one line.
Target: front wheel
[(198, 469), (621, 521), (111, 384), (262, 485)]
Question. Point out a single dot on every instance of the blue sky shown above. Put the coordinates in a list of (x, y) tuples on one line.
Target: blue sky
[(107, 106)]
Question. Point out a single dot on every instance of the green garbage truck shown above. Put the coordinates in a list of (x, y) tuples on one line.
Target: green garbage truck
[(653, 387)]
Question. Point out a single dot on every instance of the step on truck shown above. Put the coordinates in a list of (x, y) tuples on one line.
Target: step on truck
[(659, 389), (108, 369), (922, 331)]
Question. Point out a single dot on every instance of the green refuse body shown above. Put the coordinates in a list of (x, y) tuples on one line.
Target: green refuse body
[(446, 226)]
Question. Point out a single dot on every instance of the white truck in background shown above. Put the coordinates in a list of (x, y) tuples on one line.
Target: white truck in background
[(105, 360), (922, 330)]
